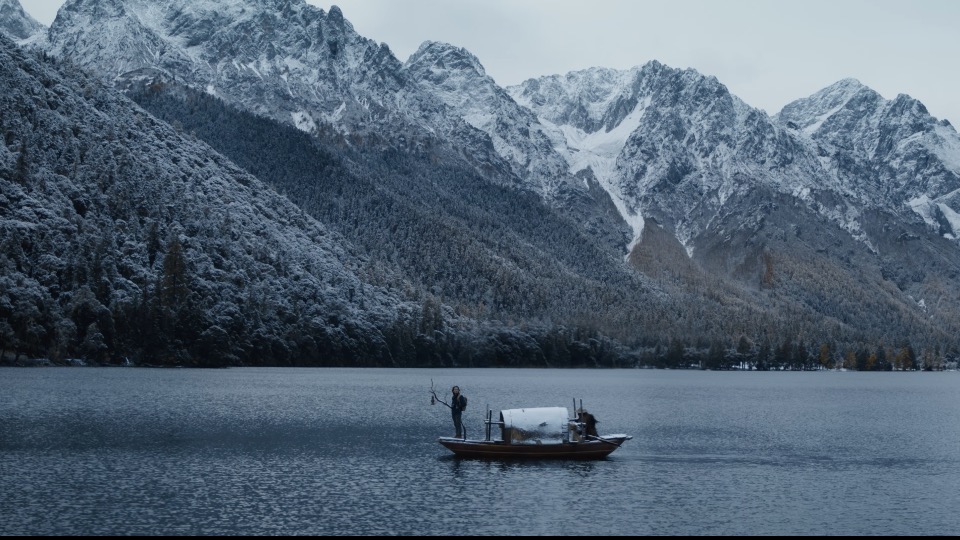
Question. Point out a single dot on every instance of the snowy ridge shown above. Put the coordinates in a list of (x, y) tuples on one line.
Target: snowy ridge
[(453, 76), (580, 98), (16, 23), (283, 59), (887, 153), (673, 144)]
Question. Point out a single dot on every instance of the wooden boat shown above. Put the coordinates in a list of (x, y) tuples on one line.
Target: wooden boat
[(537, 433)]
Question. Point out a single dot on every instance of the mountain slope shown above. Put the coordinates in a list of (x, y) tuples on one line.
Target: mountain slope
[(484, 248), (283, 59), (748, 196), (892, 152), (455, 77), (122, 237)]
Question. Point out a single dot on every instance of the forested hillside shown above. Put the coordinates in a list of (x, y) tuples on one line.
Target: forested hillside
[(126, 241), (503, 256), (122, 240)]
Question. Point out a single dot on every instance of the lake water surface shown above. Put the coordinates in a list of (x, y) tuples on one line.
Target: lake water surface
[(261, 451)]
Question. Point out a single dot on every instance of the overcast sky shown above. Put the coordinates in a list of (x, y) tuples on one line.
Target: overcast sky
[(767, 52)]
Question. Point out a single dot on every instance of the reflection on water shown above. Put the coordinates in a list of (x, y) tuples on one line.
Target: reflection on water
[(340, 451)]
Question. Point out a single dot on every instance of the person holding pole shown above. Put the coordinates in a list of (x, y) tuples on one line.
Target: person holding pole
[(457, 406)]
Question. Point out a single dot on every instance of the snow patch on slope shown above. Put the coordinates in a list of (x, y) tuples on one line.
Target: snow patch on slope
[(819, 120), (922, 205), (948, 149), (598, 151), (303, 121), (953, 218)]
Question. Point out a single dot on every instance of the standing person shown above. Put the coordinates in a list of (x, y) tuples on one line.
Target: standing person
[(457, 405)]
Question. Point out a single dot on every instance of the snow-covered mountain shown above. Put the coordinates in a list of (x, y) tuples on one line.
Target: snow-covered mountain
[(891, 153), (283, 59), (453, 76), (675, 145), (16, 23), (828, 184), (731, 220)]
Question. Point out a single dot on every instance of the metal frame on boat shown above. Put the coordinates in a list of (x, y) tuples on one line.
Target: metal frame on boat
[(537, 433)]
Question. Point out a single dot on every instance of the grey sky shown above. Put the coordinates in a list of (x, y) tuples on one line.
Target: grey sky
[(767, 52)]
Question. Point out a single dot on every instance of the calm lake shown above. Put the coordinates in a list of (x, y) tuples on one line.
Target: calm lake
[(261, 451)]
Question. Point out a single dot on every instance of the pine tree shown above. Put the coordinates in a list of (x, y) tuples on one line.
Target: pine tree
[(94, 347), (22, 172), (174, 286), (824, 356), (763, 356)]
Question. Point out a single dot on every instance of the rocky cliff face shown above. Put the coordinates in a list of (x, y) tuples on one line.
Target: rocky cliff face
[(889, 153), (15, 23), (454, 77), (675, 145), (283, 59)]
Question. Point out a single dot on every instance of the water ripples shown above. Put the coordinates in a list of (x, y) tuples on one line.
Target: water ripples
[(350, 452)]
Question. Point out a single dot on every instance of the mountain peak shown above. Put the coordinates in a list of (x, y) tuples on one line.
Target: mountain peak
[(848, 88), (849, 84), (906, 100), (15, 22), (811, 112), (445, 55)]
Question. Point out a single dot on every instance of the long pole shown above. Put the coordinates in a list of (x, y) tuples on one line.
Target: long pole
[(434, 397)]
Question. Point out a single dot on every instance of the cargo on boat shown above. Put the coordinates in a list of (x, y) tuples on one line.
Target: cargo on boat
[(539, 433)]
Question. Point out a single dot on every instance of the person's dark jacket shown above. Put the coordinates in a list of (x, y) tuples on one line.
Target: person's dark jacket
[(458, 404)]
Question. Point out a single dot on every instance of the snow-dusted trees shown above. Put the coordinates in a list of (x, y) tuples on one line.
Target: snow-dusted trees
[(123, 237), (242, 277)]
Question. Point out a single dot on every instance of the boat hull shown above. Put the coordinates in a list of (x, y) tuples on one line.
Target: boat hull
[(597, 449)]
